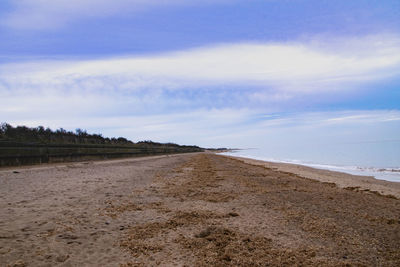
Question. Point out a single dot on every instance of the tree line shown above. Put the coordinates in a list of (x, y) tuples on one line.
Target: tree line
[(61, 136)]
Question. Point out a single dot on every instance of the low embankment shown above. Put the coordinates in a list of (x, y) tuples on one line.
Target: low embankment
[(19, 153)]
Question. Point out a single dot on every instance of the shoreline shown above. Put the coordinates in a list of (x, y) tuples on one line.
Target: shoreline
[(341, 179), (390, 174)]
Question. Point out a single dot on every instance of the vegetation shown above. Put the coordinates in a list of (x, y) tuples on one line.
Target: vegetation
[(60, 136), (23, 145)]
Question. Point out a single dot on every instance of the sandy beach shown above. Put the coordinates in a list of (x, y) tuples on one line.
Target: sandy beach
[(341, 179), (198, 209)]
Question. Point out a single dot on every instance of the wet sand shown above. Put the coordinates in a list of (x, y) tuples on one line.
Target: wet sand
[(194, 210), (341, 179)]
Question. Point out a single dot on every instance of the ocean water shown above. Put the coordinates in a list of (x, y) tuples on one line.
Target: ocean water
[(380, 160)]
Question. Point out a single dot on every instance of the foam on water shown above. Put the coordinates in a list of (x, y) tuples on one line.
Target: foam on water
[(388, 174)]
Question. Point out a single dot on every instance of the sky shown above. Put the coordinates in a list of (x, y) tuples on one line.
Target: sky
[(211, 73)]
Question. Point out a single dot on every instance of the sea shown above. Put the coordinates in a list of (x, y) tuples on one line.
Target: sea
[(378, 159)]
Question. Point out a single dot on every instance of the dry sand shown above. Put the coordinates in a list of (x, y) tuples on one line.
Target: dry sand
[(194, 210)]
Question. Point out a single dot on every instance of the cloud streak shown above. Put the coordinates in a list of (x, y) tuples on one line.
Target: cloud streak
[(294, 67), (52, 14)]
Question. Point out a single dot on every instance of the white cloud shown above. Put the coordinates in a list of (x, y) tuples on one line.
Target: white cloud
[(49, 14), (311, 119), (289, 68)]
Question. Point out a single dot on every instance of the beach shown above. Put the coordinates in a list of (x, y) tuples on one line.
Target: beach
[(196, 209), (341, 179)]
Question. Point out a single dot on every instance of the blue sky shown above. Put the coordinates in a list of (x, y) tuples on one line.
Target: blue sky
[(213, 73)]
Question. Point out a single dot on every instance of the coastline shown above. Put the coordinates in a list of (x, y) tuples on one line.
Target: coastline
[(341, 179), (387, 171)]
